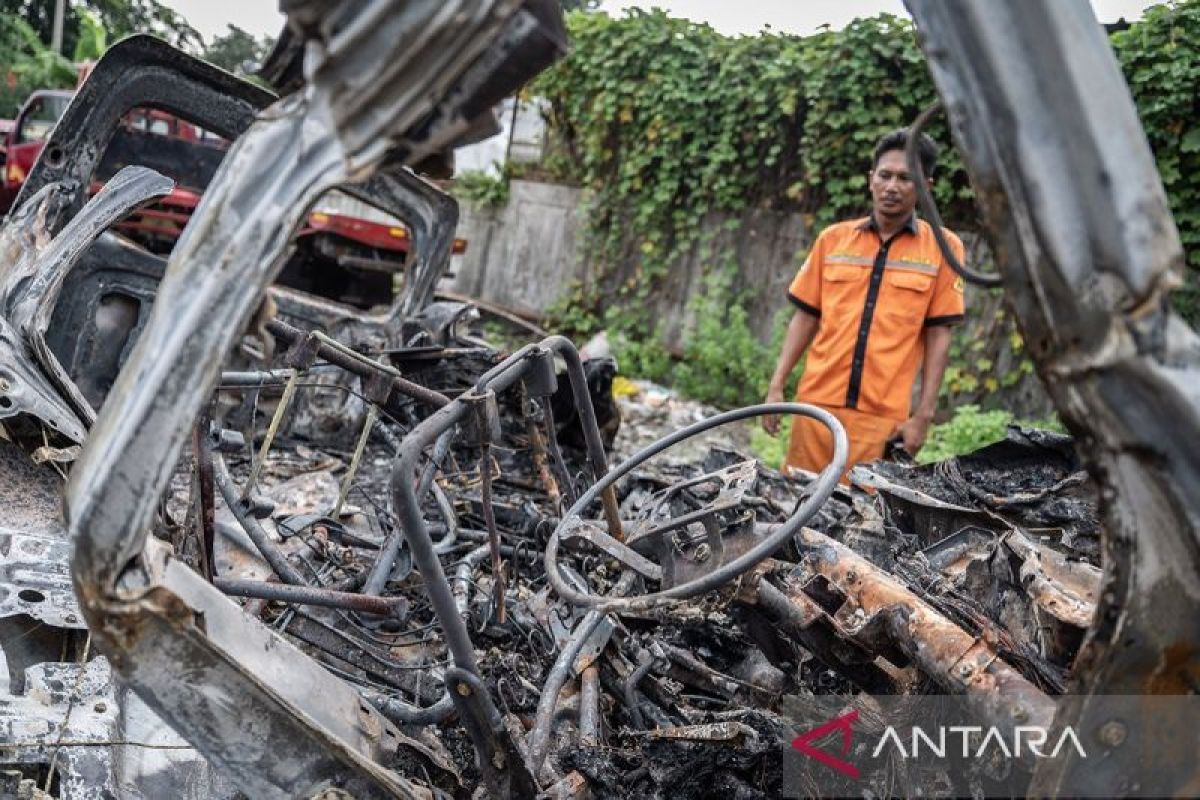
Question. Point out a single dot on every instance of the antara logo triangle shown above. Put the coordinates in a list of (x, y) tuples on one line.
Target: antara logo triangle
[(843, 723)]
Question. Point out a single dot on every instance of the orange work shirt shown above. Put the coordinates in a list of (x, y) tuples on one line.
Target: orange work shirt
[(874, 299)]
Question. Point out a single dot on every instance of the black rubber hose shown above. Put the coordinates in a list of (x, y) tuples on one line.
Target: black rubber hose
[(402, 713), (629, 690), (929, 208)]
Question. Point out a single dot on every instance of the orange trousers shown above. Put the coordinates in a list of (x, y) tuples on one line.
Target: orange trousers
[(811, 446)]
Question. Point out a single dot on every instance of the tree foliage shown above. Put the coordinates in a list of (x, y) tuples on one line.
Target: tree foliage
[(29, 64), (93, 38), (118, 17), (237, 50)]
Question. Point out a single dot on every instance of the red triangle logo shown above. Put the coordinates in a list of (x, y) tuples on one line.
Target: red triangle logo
[(842, 723)]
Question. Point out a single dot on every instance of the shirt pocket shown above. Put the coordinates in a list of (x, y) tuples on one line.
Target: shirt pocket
[(908, 295), (842, 284), (844, 273)]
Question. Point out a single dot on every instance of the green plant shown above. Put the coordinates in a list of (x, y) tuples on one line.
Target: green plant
[(30, 65), (771, 450), (482, 189), (970, 429), (642, 358), (93, 38), (236, 50), (723, 363), (1160, 57), (504, 336), (118, 18), (878, 56)]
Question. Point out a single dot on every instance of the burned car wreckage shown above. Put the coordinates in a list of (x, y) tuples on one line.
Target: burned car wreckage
[(193, 605)]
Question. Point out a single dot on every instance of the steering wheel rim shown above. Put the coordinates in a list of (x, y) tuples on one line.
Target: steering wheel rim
[(823, 487)]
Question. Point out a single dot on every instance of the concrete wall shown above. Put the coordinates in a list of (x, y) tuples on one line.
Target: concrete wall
[(525, 256), (522, 256)]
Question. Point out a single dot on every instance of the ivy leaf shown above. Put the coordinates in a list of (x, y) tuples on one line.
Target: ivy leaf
[(1191, 141)]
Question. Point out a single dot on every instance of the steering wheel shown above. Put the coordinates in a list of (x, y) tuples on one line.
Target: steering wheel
[(572, 523)]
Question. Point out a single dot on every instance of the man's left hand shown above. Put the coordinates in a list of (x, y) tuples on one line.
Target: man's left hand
[(913, 432)]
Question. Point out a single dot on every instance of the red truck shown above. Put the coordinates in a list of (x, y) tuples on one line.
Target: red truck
[(366, 246)]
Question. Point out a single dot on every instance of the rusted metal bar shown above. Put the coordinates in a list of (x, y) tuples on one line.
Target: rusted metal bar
[(489, 521), (460, 587), (959, 662), (352, 469), (597, 459), (407, 504), (504, 771), (262, 540), (591, 532), (403, 713), (539, 738), (800, 619), (382, 568), (589, 706), (556, 456), (314, 596), (203, 453), (591, 430), (254, 379), (629, 689), (358, 364), (289, 391), (537, 446)]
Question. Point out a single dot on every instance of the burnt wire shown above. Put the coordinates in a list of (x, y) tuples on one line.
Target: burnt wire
[(387, 662)]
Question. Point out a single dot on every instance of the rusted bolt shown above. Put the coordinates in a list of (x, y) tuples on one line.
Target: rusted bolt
[(965, 671), (703, 552), (464, 689), (100, 708), (1113, 733), (851, 576)]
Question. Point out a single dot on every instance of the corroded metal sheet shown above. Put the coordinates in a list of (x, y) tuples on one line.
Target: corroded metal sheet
[(35, 577)]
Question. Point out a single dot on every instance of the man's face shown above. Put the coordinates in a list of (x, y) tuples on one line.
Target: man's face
[(893, 193)]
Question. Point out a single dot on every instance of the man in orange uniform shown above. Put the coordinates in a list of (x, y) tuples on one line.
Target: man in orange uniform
[(875, 300)]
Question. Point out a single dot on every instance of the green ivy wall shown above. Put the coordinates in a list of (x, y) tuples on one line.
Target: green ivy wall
[(665, 122)]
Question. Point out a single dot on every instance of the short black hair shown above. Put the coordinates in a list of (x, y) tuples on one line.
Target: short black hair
[(927, 149)]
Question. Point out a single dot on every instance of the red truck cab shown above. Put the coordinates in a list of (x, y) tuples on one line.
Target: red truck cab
[(24, 141), (347, 251)]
